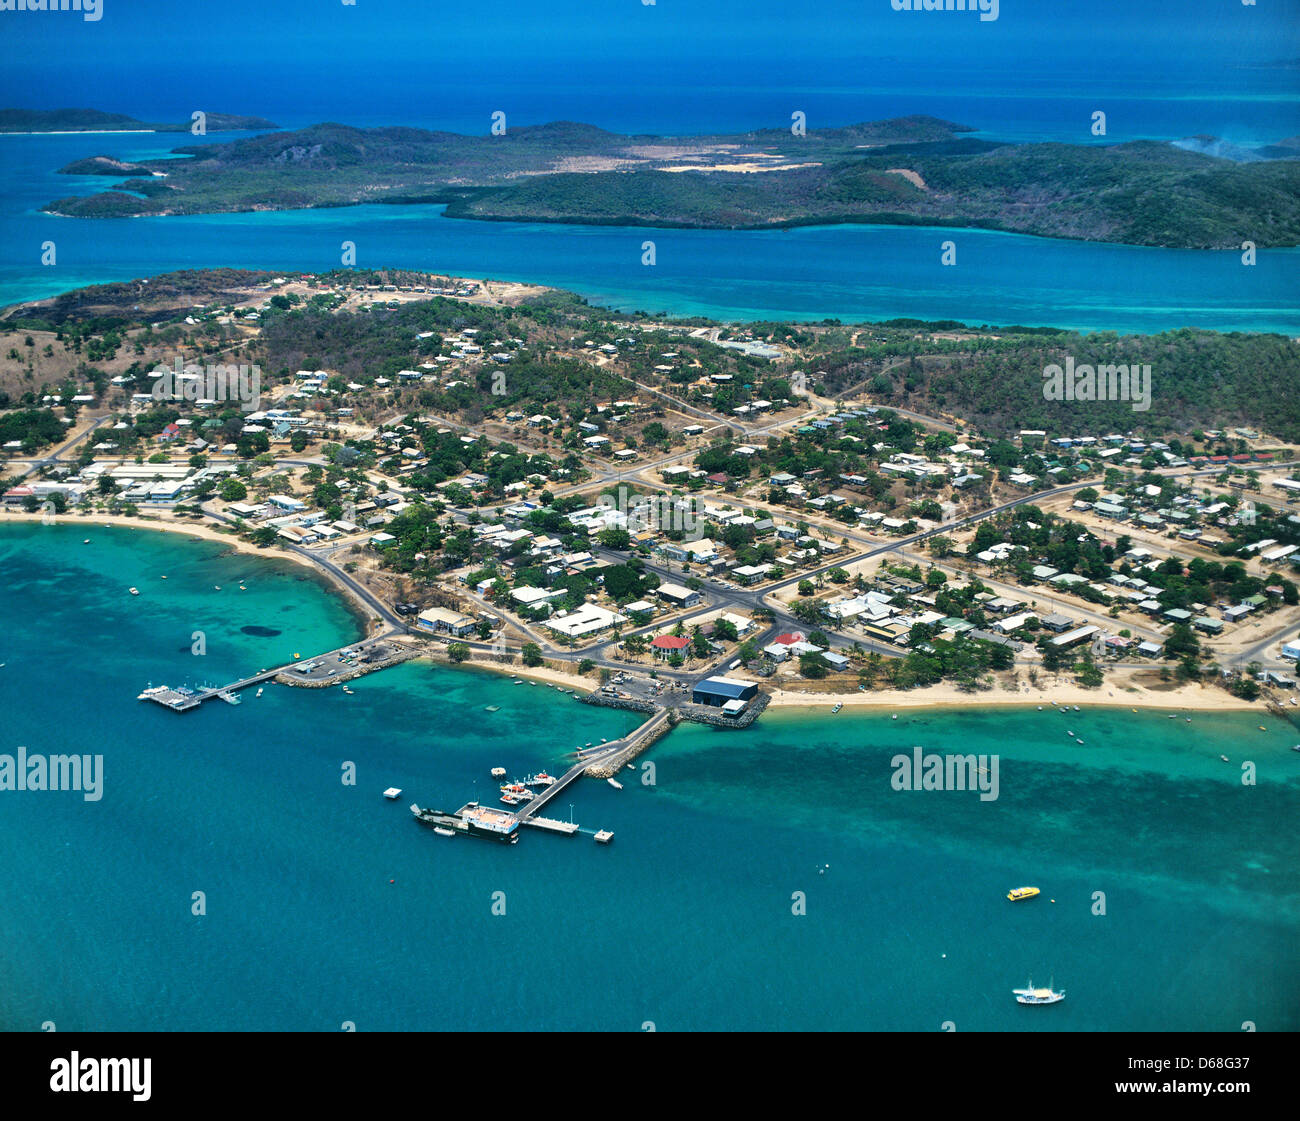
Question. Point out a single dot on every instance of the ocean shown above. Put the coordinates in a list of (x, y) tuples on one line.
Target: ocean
[(851, 273), (327, 905)]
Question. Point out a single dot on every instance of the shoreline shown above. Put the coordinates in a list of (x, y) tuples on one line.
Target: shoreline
[(205, 531), (1114, 694)]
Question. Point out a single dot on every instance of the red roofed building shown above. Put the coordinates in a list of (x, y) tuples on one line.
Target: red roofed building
[(787, 639), (666, 645)]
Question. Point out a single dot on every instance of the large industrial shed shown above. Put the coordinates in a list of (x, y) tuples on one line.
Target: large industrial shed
[(719, 692)]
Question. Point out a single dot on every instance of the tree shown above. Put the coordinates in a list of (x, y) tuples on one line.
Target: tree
[(458, 651), (813, 665), (586, 665), (532, 654), (806, 587), (232, 490)]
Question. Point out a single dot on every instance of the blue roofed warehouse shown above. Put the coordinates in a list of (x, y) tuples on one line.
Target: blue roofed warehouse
[(718, 691)]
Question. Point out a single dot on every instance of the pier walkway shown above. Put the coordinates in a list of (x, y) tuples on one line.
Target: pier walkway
[(590, 759), (320, 669)]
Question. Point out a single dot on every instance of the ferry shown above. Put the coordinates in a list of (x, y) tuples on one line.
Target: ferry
[(393, 792), (1017, 893), (614, 783), (1031, 995), (476, 820)]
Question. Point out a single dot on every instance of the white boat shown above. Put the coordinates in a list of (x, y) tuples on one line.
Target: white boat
[(259, 691), (604, 836), (444, 832), (393, 792), (134, 591), (1031, 995), (614, 783), (498, 772)]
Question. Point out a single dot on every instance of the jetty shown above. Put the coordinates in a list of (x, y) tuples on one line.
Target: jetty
[(323, 670)]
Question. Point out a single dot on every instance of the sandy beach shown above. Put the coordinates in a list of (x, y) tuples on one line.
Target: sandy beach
[(1112, 694)]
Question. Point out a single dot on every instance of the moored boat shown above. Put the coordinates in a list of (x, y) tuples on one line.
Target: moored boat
[(1031, 995), (614, 783)]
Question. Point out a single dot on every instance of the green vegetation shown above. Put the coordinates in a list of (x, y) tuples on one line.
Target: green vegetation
[(1116, 192)]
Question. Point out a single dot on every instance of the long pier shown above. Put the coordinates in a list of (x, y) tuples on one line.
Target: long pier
[(606, 752), (179, 700)]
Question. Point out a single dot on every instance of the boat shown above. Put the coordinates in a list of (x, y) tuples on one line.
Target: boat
[(443, 831), (604, 836), (542, 779), (614, 783), (393, 792), (1225, 758), (498, 772), (1017, 893), (511, 799), (86, 541), (347, 690), (152, 691), (492, 708), (476, 820), (836, 709), (134, 591), (259, 691), (1296, 747), (1031, 995)]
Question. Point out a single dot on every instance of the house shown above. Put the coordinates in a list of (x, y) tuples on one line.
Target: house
[(1291, 650), (587, 619), (441, 621), (668, 645), (1074, 637), (287, 503), (679, 596), (751, 573), (1057, 622)]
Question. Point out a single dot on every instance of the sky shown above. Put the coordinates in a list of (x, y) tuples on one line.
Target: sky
[(256, 56)]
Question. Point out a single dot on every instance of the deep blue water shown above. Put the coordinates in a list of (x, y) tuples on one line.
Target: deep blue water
[(684, 920), (852, 273)]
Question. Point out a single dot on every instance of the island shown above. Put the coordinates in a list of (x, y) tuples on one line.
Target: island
[(913, 170)]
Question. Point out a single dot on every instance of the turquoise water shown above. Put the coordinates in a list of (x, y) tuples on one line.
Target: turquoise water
[(684, 921), (852, 273)]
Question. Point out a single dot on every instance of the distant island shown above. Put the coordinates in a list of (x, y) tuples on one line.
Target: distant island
[(907, 171), (95, 120)]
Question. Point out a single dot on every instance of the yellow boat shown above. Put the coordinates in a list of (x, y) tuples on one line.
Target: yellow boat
[(1022, 893)]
